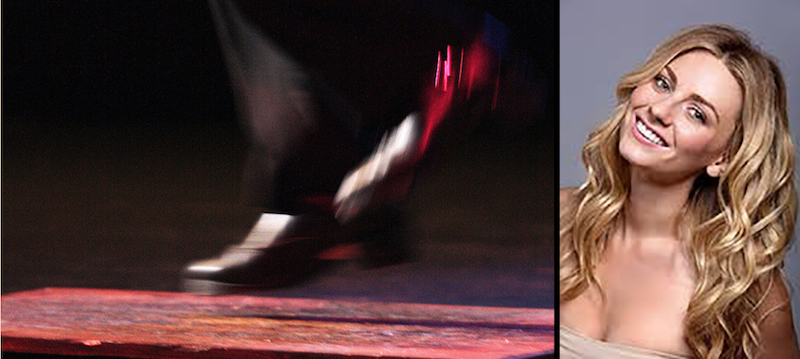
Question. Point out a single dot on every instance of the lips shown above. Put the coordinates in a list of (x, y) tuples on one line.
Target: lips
[(648, 134)]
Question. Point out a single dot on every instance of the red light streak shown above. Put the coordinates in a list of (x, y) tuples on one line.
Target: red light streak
[(438, 64), (447, 65), (460, 68)]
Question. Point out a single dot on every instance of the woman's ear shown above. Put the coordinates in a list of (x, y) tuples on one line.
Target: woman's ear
[(717, 168)]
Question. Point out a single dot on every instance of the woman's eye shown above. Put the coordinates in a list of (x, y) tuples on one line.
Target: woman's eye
[(697, 114), (662, 84)]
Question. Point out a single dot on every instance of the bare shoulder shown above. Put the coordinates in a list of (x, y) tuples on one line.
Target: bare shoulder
[(778, 339)]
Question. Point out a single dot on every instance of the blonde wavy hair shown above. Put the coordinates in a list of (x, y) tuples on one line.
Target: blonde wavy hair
[(737, 227)]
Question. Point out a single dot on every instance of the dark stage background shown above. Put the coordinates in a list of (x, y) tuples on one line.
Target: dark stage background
[(121, 162)]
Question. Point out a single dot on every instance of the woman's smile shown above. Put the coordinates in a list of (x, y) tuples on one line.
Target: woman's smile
[(647, 135)]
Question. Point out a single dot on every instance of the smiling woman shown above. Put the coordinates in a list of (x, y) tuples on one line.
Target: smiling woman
[(673, 130), (674, 244)]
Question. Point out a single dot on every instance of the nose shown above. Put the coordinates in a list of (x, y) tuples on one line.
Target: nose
[(660, 112)]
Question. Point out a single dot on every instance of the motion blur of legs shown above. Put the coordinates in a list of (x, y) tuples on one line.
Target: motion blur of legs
[(341, 100)]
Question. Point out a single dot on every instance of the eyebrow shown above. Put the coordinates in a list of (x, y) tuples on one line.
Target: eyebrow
[(694, 96)]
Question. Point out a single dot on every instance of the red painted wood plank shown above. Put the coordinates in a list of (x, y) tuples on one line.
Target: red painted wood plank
[(177, 325)]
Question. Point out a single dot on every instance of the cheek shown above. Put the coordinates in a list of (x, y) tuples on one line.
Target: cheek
[(699, 142), (644, 95), (639, 97)]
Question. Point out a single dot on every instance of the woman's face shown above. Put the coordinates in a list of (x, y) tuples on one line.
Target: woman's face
[(678, 123)]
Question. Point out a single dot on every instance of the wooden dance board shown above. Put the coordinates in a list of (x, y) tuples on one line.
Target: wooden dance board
[(177, 325)]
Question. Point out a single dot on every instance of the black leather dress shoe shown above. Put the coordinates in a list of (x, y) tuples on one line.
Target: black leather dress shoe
[(383, 177), (279, 250)]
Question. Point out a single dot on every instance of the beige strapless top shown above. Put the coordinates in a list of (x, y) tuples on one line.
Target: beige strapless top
[(575, 346)]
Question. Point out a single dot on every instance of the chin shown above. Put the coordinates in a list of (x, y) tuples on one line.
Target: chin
[(633, 153), (637, 156)]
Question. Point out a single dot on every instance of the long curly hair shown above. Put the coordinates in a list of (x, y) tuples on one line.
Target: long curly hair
[(737, 227)]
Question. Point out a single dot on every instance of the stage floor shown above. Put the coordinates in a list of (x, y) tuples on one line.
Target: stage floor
[(173, 325)]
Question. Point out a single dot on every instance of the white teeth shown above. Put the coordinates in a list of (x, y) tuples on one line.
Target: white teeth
[(649, 135)]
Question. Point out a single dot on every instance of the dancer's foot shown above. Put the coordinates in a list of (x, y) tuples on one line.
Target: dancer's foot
[(279, 250), (385, 176)]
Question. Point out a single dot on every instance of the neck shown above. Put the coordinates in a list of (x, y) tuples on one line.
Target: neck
[(653, 210)]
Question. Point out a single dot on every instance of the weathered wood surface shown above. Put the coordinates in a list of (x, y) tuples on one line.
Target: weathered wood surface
[(176, 325)]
